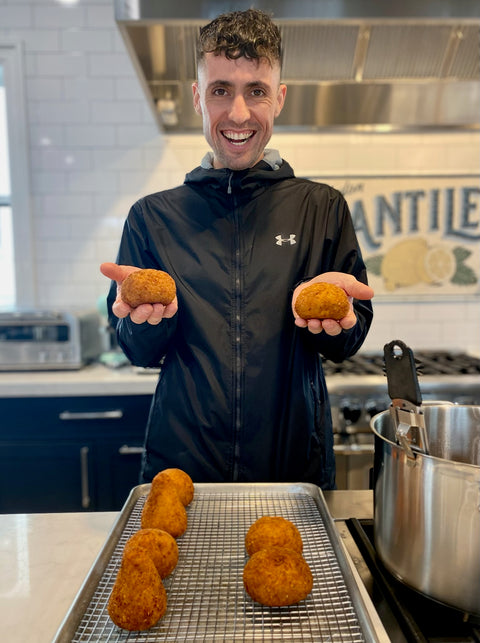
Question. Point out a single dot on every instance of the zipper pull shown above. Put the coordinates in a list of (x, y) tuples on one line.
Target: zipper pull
[(229, 188)]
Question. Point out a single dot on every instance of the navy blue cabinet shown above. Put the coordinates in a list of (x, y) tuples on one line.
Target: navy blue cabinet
[(70, 453)]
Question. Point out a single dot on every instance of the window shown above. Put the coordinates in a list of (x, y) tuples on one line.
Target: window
[(7, 287), (16, 248)]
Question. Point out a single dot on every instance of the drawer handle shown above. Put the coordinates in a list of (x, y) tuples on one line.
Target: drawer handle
[(84, 477), (126, 450), (116, 414)]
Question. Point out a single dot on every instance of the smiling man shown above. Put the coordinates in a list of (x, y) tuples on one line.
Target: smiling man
[(241, 394), (238, 93)]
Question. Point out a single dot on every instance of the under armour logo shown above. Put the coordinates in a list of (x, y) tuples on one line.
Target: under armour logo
[(281, 240)]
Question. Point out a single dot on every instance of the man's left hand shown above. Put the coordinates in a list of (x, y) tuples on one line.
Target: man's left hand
[(353, 288)]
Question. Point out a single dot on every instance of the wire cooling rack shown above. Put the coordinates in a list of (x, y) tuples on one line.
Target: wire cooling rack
[(206, 600)]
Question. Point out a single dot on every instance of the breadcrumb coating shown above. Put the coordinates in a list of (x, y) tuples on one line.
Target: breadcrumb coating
[(148, 286), (322, 301)]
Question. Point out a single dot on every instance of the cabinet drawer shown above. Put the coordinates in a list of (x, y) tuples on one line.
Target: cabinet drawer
[(55, 416)]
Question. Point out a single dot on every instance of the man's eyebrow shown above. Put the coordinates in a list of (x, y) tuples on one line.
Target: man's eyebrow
[(228, 83), (223, 83)]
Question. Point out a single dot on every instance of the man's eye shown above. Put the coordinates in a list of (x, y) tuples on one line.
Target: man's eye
[(258, 92), (220, 91)]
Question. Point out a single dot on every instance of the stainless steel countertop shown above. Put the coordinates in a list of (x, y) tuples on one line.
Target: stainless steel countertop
[(345, 504)]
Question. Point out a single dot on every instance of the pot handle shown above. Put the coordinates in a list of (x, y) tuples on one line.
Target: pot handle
[(401, 372), (404, 391)]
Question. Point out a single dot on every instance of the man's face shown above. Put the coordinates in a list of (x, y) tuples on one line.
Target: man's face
[(238, 101)]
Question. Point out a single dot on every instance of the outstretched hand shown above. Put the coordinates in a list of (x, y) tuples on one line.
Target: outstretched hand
[(354, 289), (151, 313)]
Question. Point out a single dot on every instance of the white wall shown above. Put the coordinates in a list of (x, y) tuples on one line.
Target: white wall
[(95, 148)]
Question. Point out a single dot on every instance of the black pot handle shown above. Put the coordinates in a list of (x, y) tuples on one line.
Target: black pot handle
[(401, 371)]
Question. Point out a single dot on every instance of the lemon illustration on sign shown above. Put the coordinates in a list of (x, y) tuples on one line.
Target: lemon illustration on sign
[(413, 261), (403, 264), (439, 264)]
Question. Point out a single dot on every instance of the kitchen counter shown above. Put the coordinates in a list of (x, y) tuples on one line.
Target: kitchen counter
[(45, 557), (93, 379)]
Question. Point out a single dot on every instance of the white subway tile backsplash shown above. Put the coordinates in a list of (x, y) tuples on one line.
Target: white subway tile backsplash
[(48, 182), (128, 159), (92, 136), (13, 16), (48, 227), (67, 64), (135, 135), (46, 134), (60, 111), (112, 205), (100, 17), (68, 204), (35, 40), (94, 181), (44, 89), (87, 88), (110, 65), (87, 40), (61, 16), (127, 89), (115, 112), (60, 159)]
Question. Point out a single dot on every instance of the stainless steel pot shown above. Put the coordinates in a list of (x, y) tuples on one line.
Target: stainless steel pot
[(427, 507)]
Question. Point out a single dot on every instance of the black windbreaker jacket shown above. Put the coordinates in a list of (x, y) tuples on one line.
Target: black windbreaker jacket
[(241, 394)]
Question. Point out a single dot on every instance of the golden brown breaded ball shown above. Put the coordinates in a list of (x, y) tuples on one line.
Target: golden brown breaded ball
[(181, 481), (148, 286), (159, 545), (273, 531), (138, 599), (163, 509), (277, 576), (322, 301)]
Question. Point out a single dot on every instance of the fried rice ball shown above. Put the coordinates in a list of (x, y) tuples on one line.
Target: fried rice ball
[(273, 531), (159, 545), (148, 286), (322, 301), (138, 599), (277, 576), (181, 481), (163, 509)]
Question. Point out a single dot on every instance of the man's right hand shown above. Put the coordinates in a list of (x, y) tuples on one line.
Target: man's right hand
[(151, 313)]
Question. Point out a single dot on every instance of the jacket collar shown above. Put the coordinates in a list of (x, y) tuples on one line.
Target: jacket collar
[(270, 156), (269, 170)]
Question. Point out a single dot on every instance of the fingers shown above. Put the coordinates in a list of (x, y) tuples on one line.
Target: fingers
[(349, 283), (116, 272), (151, 313)]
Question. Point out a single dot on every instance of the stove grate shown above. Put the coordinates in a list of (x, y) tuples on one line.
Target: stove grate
[(206, 598), (429, 363)]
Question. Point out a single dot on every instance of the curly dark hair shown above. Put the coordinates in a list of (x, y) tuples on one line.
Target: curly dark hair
[(251, 34)]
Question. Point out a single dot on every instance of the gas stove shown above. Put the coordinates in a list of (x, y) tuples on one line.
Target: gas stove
[(358, 390), (408, 616)]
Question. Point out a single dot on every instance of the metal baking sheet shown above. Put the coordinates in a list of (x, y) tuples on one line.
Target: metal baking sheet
[(206, 600)]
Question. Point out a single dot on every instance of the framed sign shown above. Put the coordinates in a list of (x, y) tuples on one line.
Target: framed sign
[(419, 235)]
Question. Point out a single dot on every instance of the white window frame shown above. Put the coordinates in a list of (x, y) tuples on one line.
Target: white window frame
[(12, 60)]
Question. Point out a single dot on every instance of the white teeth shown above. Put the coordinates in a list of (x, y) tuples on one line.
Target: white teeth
[(238, 138)]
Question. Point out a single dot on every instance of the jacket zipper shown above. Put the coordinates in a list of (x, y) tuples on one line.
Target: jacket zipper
[(237, 335)]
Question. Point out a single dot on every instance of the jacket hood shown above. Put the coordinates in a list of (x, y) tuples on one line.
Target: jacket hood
[(260, 174)]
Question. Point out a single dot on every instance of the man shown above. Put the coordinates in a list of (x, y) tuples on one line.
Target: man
[(241, 394)]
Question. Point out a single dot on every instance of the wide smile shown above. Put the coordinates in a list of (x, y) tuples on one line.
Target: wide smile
[(238, 139)]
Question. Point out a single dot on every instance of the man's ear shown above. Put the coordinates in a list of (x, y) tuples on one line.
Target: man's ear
[(282, 92), (196, 98)]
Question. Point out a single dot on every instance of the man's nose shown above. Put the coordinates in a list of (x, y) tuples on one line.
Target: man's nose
[(239, 112)]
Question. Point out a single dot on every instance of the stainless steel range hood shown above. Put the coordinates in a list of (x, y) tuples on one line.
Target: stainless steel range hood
[(361, 64)]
